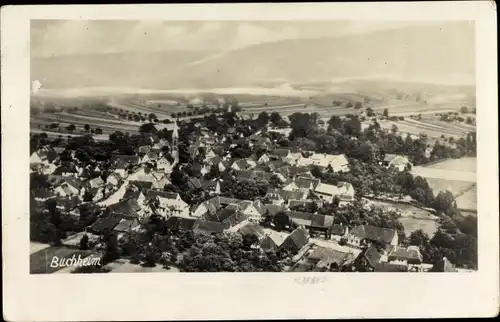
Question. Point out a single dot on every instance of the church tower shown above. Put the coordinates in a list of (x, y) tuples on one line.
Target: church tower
[(174, 143)]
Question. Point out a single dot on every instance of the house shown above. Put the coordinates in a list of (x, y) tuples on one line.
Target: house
[(328, 258), (96, 182), (114, 179), (271, 241), (337, 232), (150, 157), (168, 203), (405, 255), (143, 150), (366, 234), (293, 171), (295, 241), (338, 163), (127, 208), (313, 222), (302, 184), (213, 205), (209, 227), (344, 191), (126, 225), (180, 223), (43, 156), (273, 196), (69, 187), (279, 154), (105, 224), (164, 165), (249, 209), (443, 265), (194, 184), (288, 196), (211, 186), (400, 162), (241, 164)]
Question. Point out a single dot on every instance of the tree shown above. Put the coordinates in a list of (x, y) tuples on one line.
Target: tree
[(98, 131), (71, 127), (281, 221), (148, 128), (464, 110), (386, 112), (275, 118), (86, 127), (419, 238), (84, 242), (358, 105)]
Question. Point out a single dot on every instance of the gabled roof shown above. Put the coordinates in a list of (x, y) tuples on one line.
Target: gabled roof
[(322, 221), (279, 153), (161, 194), (372, 256), (131, 194), (208, 227), (195, 183), (307, 183), (273, 209), (291, 195), (327, 189), (208, 184), (181, 222), (411, 254), (142, 184), (144, 149), (443, 265), (300, 237), (271, 241), (76, 183), (96, 182), (221, 215), (152, 155), (325, 256), (390, 157), (125, 224), (338, 230), (128, 207), (106, 223), (383, 235)]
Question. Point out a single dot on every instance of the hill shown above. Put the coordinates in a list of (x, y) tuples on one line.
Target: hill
[(443, 52)]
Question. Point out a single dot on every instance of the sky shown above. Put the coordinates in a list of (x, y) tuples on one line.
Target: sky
[(67, 37)]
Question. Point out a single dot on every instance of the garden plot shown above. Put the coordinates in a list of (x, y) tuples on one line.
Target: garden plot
[(454, 186)]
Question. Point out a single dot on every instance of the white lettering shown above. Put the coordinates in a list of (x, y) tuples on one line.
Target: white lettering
[(53, 262), (75, 261)]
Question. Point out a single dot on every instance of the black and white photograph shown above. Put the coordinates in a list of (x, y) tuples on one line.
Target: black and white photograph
[(276, 145)]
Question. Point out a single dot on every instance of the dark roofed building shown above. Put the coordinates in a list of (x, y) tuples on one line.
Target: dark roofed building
[(363, 233), (142, 184), (209, 227), (127, 208), (106, 224), (443, 265), (180, 223), (296, 240)]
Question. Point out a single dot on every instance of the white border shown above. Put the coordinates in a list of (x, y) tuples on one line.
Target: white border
[(59, 297)]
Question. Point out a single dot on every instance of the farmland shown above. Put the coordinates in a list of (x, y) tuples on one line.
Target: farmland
[(455, 175), (412, 218)]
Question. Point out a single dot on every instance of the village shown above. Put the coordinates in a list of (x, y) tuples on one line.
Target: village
[(121, 196)]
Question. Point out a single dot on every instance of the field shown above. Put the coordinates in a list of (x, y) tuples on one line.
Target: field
[(456, 175), (412, 218), (468, 200)]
